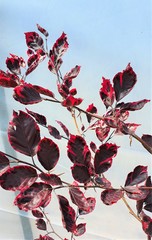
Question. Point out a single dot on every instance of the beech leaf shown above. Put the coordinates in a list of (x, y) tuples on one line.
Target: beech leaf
[(38, 117), (138, 175), (23, 133), (80, 173), (4, 163), (111, 196), (41, 224), (8, 80), (80, 229)]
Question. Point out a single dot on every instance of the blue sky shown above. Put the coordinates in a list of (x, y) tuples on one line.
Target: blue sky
[(104, 36)]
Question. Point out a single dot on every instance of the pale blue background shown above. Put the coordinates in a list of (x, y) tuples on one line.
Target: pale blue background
[(104, 36)]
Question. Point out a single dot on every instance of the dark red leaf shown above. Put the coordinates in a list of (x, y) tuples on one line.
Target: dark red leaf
[(54, 64), (33, 40), (104, 156), (102, 133), (138, 175), (23, 133), (107, 93), (111, 196), (93, 147), (137, 194), (68, 214), (147, 224), (39, 118), (32, 67), (4, 163), (51, 179), (102, 181), (92, 203), (63, 90), (92, 109), (48, 153), (133, 106), (124, 82), (8, 80), (37, 213), (71, 101), (26, 94), (18, 178), (64, 128), (41, 224), (54, 132), (147, 139), (78, 151), (46, 237), (73, 91), (80, 173), (42, 30), (73, 73), (60, 46), (80, 229), (37, 195), (78, 198), (44, 91)]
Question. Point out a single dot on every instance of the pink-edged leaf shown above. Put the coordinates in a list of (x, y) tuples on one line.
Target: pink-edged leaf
[(102, 181), (78, 198), (93, 147), (60, 46), (92, 203), (32, 67), (78, 151), (126, 128), (18, 178), (68, 214), (133, 106), (8, 80), (46, 237), (36, 213), (111, 196), (147, 139), (66, 131), (80, 173), (136, 193), (107, 93), (33, 40), (138, 175), (73, 91), (37, 195), (102, 133), (44, 91), (54, 132), (51, 179), (42, 30), (23, 133), (63, 90), (80, 229), (4, 163), (146, 224), (91, 109), (104, 156), (38, 117), (148, 199), (13, 63), (124, 82), (41, 224), (48, 153), (73, 73), (54, 64), (26, 94), (71, 101)]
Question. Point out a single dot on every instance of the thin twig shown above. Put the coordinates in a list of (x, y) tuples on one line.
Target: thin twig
[(130, 209)]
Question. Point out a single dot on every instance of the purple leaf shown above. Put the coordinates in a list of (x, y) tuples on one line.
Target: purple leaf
[(51, 179), (42, 30), (33, 40), (71, 101), (4, 163), (111, 196), (78, 151), (64, 128), (102, 181), (8, 80), (43, 91), (92, 203), (54, 132), (138, 175), (46, 237), (23, 133), (37, 213), (48, 153), (80, 229), (133, 106), (18, 178), (107, 93), (39, 118), (37, 195), (26, 94), (147, 139), (136, 193), (102, 133), (93, 147), (80, 173), (103, 157), (41, 224), (147, 224), (91, 109), (78, 198), (68, 214), (73, 73), (14, 63), (124, 82)]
